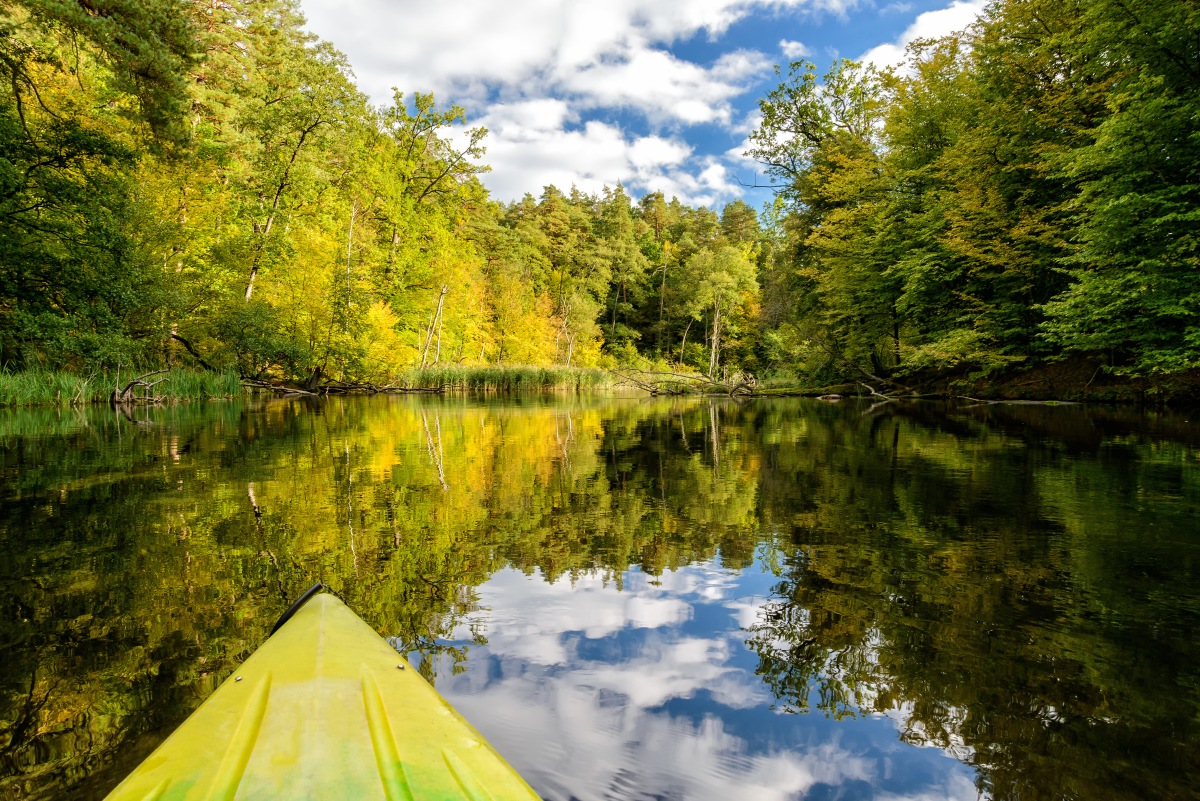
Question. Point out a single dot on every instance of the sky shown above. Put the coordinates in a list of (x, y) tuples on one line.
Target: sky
[(659, 95)]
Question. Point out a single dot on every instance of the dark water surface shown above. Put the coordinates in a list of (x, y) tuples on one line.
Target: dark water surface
[(632, 599)]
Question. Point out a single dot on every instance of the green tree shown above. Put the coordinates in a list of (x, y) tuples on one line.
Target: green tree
[(823, 142), (1135, 294), (720, 280), (617, 235), (83, 89)]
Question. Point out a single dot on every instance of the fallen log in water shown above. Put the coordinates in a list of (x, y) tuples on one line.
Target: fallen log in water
[(125, 397), (664, 382)]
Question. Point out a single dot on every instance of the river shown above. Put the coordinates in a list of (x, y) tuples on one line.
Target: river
[(632, 599)]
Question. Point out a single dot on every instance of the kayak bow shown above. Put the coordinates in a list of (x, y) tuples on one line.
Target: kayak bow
[(324, 709)]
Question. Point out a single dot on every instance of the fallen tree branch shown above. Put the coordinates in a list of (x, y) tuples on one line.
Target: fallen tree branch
[(125, 396), (665, 382), (875, 394)]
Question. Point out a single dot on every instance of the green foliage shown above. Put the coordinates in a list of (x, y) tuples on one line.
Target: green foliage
[(76, 289), (1025, 188), (207, 184), (146, 47), (1135, 291)]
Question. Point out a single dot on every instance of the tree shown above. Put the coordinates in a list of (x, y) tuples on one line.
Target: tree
[(145, 49), (739, 223), (82, 90), (1135, 294), (616, 232), (824, 143), (719, 281)]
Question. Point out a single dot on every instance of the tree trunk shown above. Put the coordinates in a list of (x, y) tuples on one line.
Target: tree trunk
[(715, 354), (436, 320), (437, 354), (349, 245), (896, 338), (391, 259), (265, 230), (612, 331), (662, 294), (563, 330)]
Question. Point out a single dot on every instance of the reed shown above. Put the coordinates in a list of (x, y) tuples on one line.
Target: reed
[(509, 378), (186, 385), (61, 388), (45, 388)]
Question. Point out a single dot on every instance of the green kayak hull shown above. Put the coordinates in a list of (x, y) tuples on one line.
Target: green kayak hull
[(324, 709)]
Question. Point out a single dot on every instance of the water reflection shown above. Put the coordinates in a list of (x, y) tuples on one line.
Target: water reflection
[(650, 692), (632, 599)]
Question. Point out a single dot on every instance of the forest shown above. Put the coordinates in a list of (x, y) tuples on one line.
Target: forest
[(201, 183)]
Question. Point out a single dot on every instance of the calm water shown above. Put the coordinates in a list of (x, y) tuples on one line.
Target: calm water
[(632, 599)]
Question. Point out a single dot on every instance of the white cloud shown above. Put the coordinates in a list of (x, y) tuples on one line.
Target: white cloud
[(525, 159), (528, 117), (557, 81), (534, 143), (664, 88), (794, 51), (462, 48), (738, 66), (531, 71), (929, 25), (654, 151)]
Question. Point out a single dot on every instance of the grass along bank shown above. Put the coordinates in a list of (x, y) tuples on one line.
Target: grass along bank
[(514, 378), (60, 388)]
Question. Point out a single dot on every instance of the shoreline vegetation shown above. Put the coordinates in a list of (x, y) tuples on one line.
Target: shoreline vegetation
[(1078, 383), (64, 388), (1013, 214)]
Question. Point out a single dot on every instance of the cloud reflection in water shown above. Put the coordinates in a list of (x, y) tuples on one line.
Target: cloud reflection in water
[(647, 691)]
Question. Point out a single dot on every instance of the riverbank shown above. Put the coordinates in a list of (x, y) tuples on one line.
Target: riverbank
[(1083, 381), (1080, 381), (57, 388), (61, 388)]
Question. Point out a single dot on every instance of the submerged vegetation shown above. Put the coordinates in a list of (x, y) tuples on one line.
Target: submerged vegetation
[(203, 185)]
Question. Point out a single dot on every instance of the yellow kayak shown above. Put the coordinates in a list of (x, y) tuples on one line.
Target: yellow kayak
[(324, 709)]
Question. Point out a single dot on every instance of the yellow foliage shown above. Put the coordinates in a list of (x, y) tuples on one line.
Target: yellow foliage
[(523, 328), (385, 351)]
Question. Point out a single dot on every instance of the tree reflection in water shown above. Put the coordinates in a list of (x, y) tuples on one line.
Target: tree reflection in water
[(1014, 586)]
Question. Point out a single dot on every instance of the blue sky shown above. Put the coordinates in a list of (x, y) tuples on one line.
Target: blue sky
[(657, 94)]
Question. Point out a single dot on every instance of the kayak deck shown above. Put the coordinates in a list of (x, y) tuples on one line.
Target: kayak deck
[(325, 709)]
